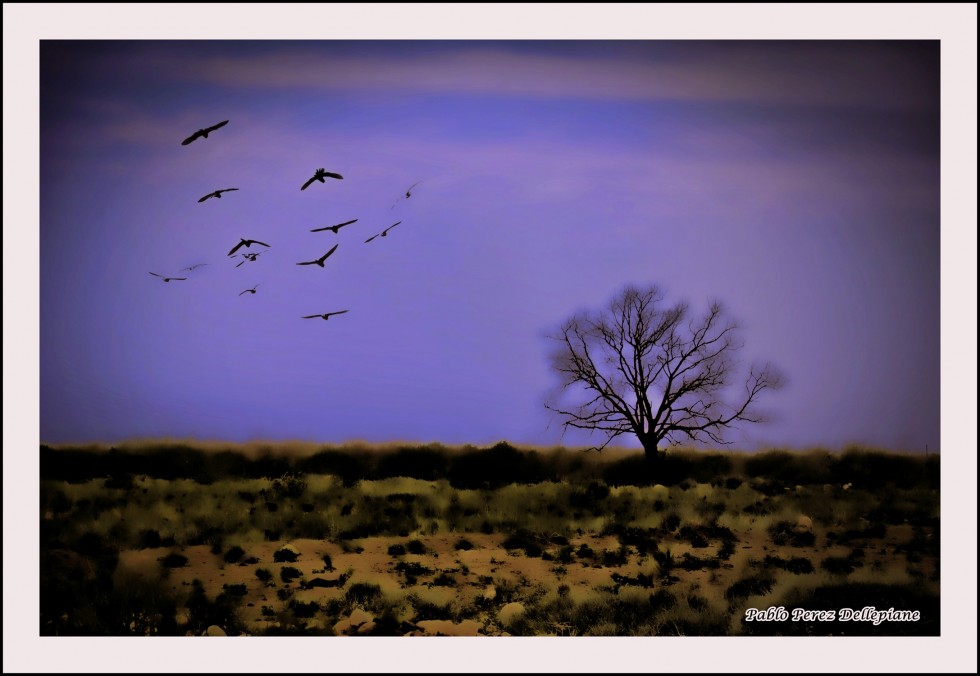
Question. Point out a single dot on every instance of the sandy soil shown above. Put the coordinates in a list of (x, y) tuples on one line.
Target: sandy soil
[(457, 577)]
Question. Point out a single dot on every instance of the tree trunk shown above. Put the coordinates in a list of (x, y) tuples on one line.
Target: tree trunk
[(650, 451)]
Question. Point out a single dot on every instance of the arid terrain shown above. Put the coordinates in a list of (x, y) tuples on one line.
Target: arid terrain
[(425, 540)]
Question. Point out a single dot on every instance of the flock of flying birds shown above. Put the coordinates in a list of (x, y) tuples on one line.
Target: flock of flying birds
[(320, 175)]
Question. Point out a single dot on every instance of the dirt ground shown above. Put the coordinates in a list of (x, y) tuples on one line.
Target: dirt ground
[(461, 578)]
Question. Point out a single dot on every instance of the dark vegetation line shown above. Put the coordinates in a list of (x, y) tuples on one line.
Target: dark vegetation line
[(500, 465)]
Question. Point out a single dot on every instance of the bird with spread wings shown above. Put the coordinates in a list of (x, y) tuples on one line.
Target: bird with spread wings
[(319, 261), (320, 175), (215, 194), (335, 228), (168, 279), (325, 315), (248, 257), (202, 133), (245, 243), (407, 195), (383, 233)]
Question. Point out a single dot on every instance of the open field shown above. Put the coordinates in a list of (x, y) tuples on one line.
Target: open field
[(425, 540)]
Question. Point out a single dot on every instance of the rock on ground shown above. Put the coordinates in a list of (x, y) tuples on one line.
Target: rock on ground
[(804, 524)]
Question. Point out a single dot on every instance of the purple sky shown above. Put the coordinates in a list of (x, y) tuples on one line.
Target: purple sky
[(798, 183)]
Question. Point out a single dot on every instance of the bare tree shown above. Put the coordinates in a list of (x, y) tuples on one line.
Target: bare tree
[(638, 367)]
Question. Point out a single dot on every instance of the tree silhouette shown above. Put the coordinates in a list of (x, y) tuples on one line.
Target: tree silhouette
[(638, 367)]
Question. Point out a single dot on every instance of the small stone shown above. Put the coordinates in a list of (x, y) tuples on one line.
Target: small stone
[(511, 612)]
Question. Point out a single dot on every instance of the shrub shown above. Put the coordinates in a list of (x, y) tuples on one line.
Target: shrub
[(671, 522), (444, 580), (525, 540), (396, 550), (349, 467), (565, 554), (784, 532), (750, 586), (119, 482), (664, 559), (617, 558), (301, 609), (799, 565), (696, 602), (235, 589), (661, 600), (149, 539), (694, 536), (221, 612), (412, 568), (288, 573), (463, 544), (427, 610), (758, 508), (644, 540), (840, 565), (495, 467), (640, 580), (691, 562), (264, 574), (630, 471), (289, 486), (351, 547), (234, 554), (796, 565), (426, 463), (174, 560), (285, 555), (363, 593), (726, 550)]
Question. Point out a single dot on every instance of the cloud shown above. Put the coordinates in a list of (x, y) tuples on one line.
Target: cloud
[(835, 74)]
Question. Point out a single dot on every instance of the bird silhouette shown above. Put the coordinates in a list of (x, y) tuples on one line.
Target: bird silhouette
[(408, 194), (325, 315), (167, 279), (335, 228), (383, 233), (319, 261), (245, 243), (252, 290), (216, 193), (248, 257), (194, 267), (320, 175), (202, 133)]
